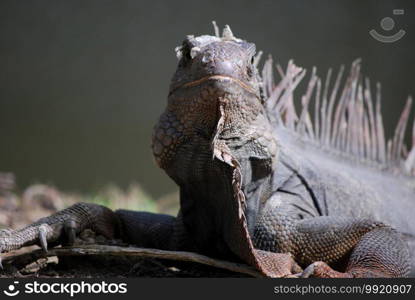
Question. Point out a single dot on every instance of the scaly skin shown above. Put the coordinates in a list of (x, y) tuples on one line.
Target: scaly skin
[(244, 193)]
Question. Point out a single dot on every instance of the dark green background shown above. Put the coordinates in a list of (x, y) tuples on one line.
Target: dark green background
[(83, 82)]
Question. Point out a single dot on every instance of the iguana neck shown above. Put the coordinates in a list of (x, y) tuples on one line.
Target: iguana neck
[(216, 145)]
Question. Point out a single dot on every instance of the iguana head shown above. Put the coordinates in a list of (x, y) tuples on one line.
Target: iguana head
[(213, 58), (215, 93)]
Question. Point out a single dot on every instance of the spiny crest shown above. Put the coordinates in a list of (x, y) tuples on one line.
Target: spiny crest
[(227, 34), (347, 121), (203, 40)]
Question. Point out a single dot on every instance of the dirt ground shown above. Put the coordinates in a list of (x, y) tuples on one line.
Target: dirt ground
[(97, 267), (91, 266)]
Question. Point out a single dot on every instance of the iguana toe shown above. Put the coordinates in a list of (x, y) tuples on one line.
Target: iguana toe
[(322, 270), (43, 232), (70, 231)]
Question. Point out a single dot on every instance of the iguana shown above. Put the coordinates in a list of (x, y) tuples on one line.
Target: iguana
[(260, 184)]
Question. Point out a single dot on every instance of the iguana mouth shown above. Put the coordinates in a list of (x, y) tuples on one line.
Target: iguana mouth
[(218, 78)]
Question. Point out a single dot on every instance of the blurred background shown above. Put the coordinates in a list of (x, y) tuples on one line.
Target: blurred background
[(83, 82)]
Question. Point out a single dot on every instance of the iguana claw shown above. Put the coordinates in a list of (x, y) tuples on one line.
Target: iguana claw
[(322, 270), (43, 231), (307, 271)]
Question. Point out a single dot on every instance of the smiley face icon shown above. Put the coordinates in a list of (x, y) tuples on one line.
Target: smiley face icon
[(12, 291), (387, 24)]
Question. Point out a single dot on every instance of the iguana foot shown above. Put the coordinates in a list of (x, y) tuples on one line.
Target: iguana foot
[(380, 253), (61, 228), (322, 270)]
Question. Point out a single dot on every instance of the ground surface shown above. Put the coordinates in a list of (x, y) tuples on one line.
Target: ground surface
[(99, 267)]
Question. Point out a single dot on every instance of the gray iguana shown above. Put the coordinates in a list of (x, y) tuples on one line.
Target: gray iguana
[(322, 190)]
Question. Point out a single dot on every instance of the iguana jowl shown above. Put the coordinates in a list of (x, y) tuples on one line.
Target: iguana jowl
[(261, 184)]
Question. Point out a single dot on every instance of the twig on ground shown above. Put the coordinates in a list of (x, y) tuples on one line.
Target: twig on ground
[(21, 260)]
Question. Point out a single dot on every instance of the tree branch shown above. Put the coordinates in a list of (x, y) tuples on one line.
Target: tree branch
[(21, 260)]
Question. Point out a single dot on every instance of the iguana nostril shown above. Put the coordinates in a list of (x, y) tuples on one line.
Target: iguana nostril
[(224, 67)]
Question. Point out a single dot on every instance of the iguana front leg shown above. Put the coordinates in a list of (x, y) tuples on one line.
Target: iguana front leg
[(379, 253), (62, 227), (355, 247), (141, 228)]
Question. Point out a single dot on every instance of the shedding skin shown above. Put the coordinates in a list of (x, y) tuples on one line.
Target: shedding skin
[(259, 183)]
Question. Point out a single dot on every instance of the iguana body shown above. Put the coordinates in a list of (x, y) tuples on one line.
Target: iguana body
[(259, 183)]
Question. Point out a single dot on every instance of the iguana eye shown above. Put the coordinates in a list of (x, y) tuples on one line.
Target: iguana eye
[(186, 53), (183, 53), (186, 50)]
